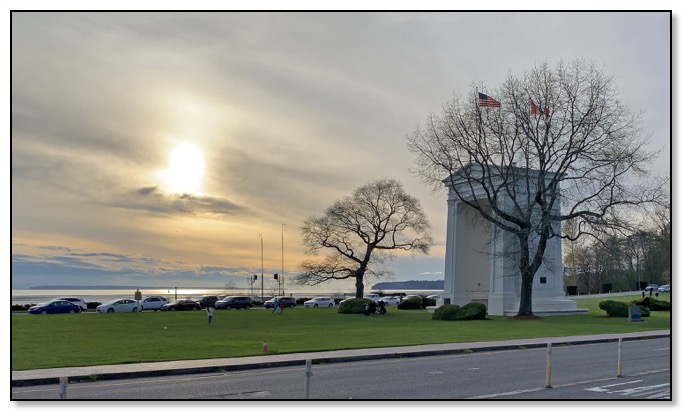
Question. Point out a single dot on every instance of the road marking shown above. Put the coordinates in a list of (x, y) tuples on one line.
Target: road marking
[(663, 349), (637, 390), (603, 388), (502, 394), (436, 372)]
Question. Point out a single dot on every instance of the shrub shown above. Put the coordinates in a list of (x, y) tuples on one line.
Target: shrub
[(446, 312), (471, 311), (653, 304), (614, 308), (353, 306), (428, 302), (411, 304), (474, 311)]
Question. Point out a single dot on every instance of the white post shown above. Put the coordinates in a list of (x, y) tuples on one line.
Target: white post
[(549, 366), (308, 374), (63, 382), (620, 359)]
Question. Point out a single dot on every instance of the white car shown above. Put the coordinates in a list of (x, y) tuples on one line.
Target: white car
[(121, 305), (319, 302), (390, 300), (76, 300), (434, 297), (153, 303), (373, 297)]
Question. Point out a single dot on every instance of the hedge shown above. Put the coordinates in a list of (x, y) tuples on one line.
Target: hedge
[(353, 306), (621, 309), (450, 312)]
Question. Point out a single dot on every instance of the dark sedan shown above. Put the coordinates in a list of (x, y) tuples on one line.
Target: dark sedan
[(55, 307), (180, 305), (286, 302), (234, 302)]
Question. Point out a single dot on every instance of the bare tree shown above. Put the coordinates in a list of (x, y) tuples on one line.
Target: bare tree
[(360, 232), (556, 145)]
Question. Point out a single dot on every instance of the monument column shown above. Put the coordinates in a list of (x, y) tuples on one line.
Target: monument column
[(450, 252)]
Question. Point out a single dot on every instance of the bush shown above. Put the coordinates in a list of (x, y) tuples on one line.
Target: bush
[(471, 311), (446, 312), (614, 308), (428, 302), (353, 306), (621, 309), (653, 304), (411, 304)]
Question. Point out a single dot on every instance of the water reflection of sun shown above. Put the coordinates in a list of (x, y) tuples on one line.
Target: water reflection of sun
[(185, 170)]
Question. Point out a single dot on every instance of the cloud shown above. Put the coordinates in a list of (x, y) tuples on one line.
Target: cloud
[(152, 199)]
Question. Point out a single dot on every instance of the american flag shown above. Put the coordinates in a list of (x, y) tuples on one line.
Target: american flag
[(487, 101)]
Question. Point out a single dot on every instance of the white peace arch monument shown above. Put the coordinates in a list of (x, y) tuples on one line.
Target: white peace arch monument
[(481, 265)]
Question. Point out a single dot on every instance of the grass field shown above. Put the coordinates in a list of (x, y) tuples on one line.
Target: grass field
[(50, 341)]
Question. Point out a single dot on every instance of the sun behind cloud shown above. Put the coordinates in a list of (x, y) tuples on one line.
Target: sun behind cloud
[(185, 171)]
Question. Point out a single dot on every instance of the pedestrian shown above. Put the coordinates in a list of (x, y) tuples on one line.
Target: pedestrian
[(382, 307), (276, 306), (209, 311), (366, 309)]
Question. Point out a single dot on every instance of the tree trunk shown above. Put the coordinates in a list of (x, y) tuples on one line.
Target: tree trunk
[(526, 301), (359, 285)]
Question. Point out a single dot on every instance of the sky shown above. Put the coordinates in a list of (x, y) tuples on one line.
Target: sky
[(277, 115)]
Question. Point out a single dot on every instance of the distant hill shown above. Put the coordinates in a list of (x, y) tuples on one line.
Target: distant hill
[(410, 285)]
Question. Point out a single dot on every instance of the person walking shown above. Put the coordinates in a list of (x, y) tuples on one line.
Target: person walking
[(209, 311), (276, 307)]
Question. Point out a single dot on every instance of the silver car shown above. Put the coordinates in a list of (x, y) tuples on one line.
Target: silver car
[(153, 303), (121, 305)]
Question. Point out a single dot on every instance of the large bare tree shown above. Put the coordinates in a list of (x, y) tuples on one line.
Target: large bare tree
[(358, 233), (553, 145)]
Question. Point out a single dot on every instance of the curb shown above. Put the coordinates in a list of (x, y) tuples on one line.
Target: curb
[(331, 357)]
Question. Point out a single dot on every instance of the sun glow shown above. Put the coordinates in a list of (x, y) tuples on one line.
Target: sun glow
[(185, 170)]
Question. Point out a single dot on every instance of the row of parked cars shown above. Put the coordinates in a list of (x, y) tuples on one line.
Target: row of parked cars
[(665, 288), (156, 303)]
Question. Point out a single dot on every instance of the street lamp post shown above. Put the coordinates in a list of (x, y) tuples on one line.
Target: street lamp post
[(261, 268)]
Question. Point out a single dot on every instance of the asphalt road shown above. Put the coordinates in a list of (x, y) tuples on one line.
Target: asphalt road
[(586, 371)]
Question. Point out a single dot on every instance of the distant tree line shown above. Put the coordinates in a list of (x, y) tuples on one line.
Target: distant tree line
[(626, 261)]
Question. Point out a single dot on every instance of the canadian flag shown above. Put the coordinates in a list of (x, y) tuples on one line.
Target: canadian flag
[(534, 109)]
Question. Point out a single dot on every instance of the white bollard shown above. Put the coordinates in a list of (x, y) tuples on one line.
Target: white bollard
[(308, 374), (548, 381), (620, 358), (63, 382)]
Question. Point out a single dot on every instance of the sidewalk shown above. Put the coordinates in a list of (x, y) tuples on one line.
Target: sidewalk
[(138, 370)]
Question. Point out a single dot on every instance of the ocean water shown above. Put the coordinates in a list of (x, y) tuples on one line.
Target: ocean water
[(20, 297)]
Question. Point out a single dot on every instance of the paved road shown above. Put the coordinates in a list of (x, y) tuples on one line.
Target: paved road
[(578, 372)]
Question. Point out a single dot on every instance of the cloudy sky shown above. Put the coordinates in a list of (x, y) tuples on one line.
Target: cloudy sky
[(277, 116)]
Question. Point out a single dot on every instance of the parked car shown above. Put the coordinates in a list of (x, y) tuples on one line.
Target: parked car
[(319, 302), (412, 296), (286, 302), (434, 297), (181, 305), (390, 300), (120, 305), (153, 303), (208, 301), (55, 307), (651, 287), (234, 302), (76, 300), (665, 288), (373, 297)]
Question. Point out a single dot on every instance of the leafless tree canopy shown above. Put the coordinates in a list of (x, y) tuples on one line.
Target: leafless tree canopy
[(358, 233), (579, 154)]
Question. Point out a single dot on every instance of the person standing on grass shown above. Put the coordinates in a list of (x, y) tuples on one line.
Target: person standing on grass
[(209, 311)]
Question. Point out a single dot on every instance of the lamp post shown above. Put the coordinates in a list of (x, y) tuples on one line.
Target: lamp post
[(261, 269), (282, 272)]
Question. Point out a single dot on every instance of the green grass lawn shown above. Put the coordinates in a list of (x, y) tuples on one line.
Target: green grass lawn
[(49, 341)]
